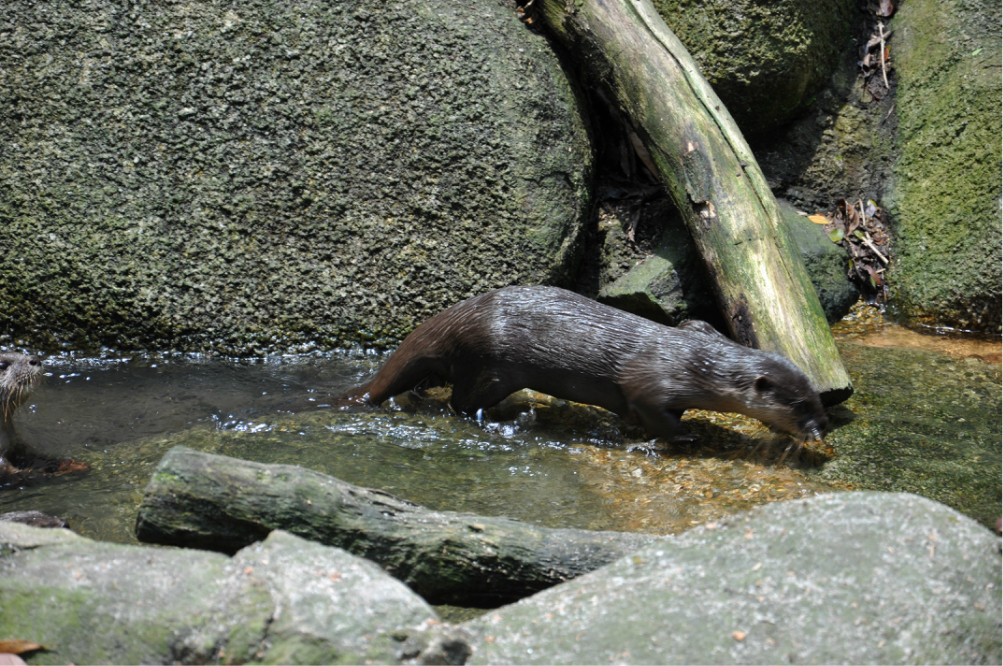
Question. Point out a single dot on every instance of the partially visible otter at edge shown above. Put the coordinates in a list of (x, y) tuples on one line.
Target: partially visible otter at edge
[(19, 375), (565, 345)]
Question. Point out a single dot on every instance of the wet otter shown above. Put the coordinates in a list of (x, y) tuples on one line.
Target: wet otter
[(19, 375), (568, 346)]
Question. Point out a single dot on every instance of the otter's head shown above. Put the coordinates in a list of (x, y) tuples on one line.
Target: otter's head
[(782, 397), (19, 375)]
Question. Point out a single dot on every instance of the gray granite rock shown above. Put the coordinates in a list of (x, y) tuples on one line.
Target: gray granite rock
[(266, 176), (284, 600), (845, 578)]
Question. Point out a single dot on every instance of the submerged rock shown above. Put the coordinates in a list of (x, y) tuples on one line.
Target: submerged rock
[(33, 518), (848, 578), (284, 600), (274, 176), (919, 422)]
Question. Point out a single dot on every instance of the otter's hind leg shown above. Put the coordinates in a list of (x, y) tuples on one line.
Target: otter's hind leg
[(480, 388), (656, 421)]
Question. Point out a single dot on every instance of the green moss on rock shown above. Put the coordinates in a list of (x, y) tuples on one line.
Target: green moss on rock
[(284, 600), (947, 190), (765, 59)]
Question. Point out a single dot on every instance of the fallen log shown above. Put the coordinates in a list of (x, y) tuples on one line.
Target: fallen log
[(709, 170), (200, 500)]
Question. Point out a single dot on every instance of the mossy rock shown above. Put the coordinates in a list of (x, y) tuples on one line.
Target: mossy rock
[(765, 59), (947, 187), (825, 262), (284, 600), (669, 285), (276, 177)]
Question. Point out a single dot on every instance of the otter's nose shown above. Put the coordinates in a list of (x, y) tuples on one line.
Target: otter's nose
[(33, 360)]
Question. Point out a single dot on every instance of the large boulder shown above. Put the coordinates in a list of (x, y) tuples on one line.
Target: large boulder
[(846, 578), (272, 176), (765, 59), (947, 188), (284, 600)]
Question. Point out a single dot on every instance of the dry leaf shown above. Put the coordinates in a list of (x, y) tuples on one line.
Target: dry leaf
[(15, 646), (819, 219)]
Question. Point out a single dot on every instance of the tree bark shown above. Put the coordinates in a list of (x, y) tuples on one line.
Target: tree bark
[(711, 174), (213, 502)]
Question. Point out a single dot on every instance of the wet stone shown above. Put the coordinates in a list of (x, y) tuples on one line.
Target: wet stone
[(284, 600)]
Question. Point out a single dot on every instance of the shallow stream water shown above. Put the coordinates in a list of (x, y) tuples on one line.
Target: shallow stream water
[(534, 459)]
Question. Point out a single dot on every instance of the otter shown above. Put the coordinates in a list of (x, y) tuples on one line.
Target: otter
[(560, 343), (19, 375)]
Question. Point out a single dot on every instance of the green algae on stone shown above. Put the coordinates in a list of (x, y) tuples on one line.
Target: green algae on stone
[(765, 59), (920, 422), (273, 176), (107, 603), (947, 187), (285, 600), (666, 286)]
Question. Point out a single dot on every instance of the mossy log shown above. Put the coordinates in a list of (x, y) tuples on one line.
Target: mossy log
[(711, 174), (214, 502)]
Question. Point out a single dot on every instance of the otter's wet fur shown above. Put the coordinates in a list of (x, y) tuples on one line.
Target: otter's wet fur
[(560, 343), (19, 375)]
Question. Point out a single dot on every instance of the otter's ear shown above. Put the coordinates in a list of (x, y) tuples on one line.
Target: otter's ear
[(763, 383)]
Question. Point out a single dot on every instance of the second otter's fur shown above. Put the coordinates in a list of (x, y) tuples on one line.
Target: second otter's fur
[(568, 346), (19, 375)]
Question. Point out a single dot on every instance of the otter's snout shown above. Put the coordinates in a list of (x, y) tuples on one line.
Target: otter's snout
[(19, 374)]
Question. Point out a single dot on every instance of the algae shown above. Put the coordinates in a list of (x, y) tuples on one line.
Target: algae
[(766, 60), (920, 422), (947, 188)]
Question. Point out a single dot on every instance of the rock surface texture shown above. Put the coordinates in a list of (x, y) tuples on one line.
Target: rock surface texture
[(284, 600), (267, 177), (847, 578), (765, 59), (947, 190), (665, 285)]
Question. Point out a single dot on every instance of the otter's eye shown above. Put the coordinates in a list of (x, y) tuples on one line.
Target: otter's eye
[(4, 365)]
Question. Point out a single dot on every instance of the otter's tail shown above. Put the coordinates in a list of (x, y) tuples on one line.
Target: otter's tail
[(403, 372)]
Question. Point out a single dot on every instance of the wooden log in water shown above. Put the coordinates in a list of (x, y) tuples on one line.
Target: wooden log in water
[(709, 170), (214, 502)]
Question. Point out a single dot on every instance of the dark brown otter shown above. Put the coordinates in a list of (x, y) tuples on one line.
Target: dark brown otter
[(568, 346)]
